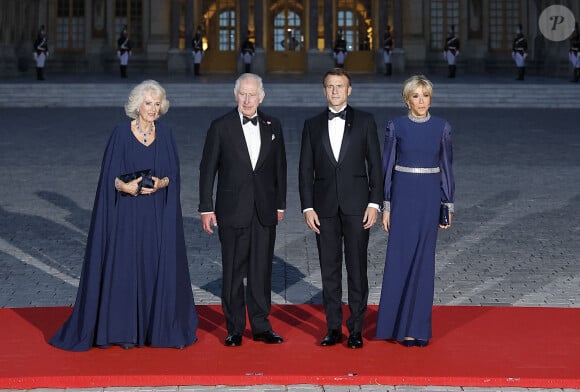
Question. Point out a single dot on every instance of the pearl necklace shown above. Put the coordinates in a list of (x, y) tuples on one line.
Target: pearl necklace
[(145, 134), (419, 119)]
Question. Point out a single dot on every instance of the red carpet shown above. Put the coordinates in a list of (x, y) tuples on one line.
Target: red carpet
[(472, 346)]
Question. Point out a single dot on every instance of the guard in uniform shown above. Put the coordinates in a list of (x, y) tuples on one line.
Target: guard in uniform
[(451, 51), (574, 54), (247, 53), (520, 52), (197, 51), (40, 52), (339, 50), (124, 51), (387, 47)]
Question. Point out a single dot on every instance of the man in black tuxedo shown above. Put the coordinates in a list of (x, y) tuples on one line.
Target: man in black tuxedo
[(341, 190), (245, 149)]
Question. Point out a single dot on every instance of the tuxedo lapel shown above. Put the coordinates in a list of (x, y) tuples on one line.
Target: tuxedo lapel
[(236, 137), (346, 137), (325, 136), (266, 138)]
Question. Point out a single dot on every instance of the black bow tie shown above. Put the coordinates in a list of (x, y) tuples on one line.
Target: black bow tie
[(341, 114), (253, 120)]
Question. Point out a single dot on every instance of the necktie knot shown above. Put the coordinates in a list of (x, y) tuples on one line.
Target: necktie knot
[(341, 114), (253, 120)]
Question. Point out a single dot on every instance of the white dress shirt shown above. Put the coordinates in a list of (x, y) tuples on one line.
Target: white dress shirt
[(336, 132), (253, 140)]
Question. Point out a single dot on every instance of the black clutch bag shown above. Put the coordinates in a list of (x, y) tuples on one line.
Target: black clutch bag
[(444, 215), (146, 178)]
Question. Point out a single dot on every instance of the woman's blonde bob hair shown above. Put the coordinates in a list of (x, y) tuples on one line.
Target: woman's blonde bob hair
[(137, 96), (412, 83)]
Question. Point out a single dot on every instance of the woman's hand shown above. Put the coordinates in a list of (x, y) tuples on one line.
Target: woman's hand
[(131, 187), (158, 183)]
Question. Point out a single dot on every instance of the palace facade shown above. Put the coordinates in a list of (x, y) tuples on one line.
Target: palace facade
[(289, 35)]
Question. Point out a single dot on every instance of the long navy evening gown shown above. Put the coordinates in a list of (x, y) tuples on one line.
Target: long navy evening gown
[(135, 288), (406, 302)]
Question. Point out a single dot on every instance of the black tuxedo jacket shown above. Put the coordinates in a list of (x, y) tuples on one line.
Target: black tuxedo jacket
[(241, 190), (349, 184)]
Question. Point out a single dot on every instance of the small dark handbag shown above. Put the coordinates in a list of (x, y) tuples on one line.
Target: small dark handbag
[(444, 215), (146, 180)]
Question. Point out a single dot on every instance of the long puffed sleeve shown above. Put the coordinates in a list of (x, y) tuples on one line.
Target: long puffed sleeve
[(389, 158), (446, 165)]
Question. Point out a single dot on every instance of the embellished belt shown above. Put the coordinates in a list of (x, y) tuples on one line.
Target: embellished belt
[(417, 170)]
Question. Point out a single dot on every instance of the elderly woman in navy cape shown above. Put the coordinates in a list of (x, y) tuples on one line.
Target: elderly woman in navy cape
[(135, 287)]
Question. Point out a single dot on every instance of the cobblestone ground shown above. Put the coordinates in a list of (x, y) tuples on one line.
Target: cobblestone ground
[(514, 240)]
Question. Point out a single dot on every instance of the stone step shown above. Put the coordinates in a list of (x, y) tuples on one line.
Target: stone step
[(293, 95)]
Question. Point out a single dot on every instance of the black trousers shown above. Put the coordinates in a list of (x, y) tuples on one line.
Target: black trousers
[(247, 252), (334, 231)]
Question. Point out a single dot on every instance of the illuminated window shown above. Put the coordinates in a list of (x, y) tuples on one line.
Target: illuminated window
[(504, 17), (287, 31), (354, 21), (70, 25), (130, 13), (227, 30), (444, 14)]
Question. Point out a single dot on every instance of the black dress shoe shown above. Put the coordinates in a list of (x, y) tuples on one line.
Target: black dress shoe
[(355, 340), (268, 337), (421, 343), (333, 336), (233, 340)]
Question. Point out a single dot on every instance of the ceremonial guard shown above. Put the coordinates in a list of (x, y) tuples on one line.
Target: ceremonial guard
[(520, 52), (197, 51), (387, 47), (40, 52), (247, 54), (574, 55), (339, 50), (124, 51), (451, 51)]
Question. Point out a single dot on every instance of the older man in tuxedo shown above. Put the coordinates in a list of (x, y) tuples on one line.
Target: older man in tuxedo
[(341, 186), (245, 149)]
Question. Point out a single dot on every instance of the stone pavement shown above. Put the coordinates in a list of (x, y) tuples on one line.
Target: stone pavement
[(514, 241)]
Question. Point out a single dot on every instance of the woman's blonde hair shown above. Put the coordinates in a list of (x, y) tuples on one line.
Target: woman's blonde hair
[(138, 94), (412, 83)]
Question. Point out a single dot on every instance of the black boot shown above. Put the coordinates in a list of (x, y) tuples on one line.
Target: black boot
[(452, 69), (124, 71), (576, 75), (389, 71), (520, 73), (248, 68), (39, 75), (196, 69)]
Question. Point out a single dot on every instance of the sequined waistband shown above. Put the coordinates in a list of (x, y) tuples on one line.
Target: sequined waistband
[(417, 170)]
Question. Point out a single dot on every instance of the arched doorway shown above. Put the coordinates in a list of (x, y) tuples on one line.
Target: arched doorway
[(286, 38), (354, 21), (219, 35)]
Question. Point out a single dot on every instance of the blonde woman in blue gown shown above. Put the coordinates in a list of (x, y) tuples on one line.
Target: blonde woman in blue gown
[(417, 164)]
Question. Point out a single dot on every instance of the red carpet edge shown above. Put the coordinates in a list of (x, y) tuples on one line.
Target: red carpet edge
[(528, 347)]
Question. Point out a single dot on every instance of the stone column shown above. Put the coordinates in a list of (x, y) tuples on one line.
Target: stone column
[(175, 59), (259, 62), (398, 56), (156, 44), (318, 61), (328, 26)]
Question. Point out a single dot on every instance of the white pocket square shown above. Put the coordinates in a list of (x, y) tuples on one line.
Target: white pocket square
[(273, 136)]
